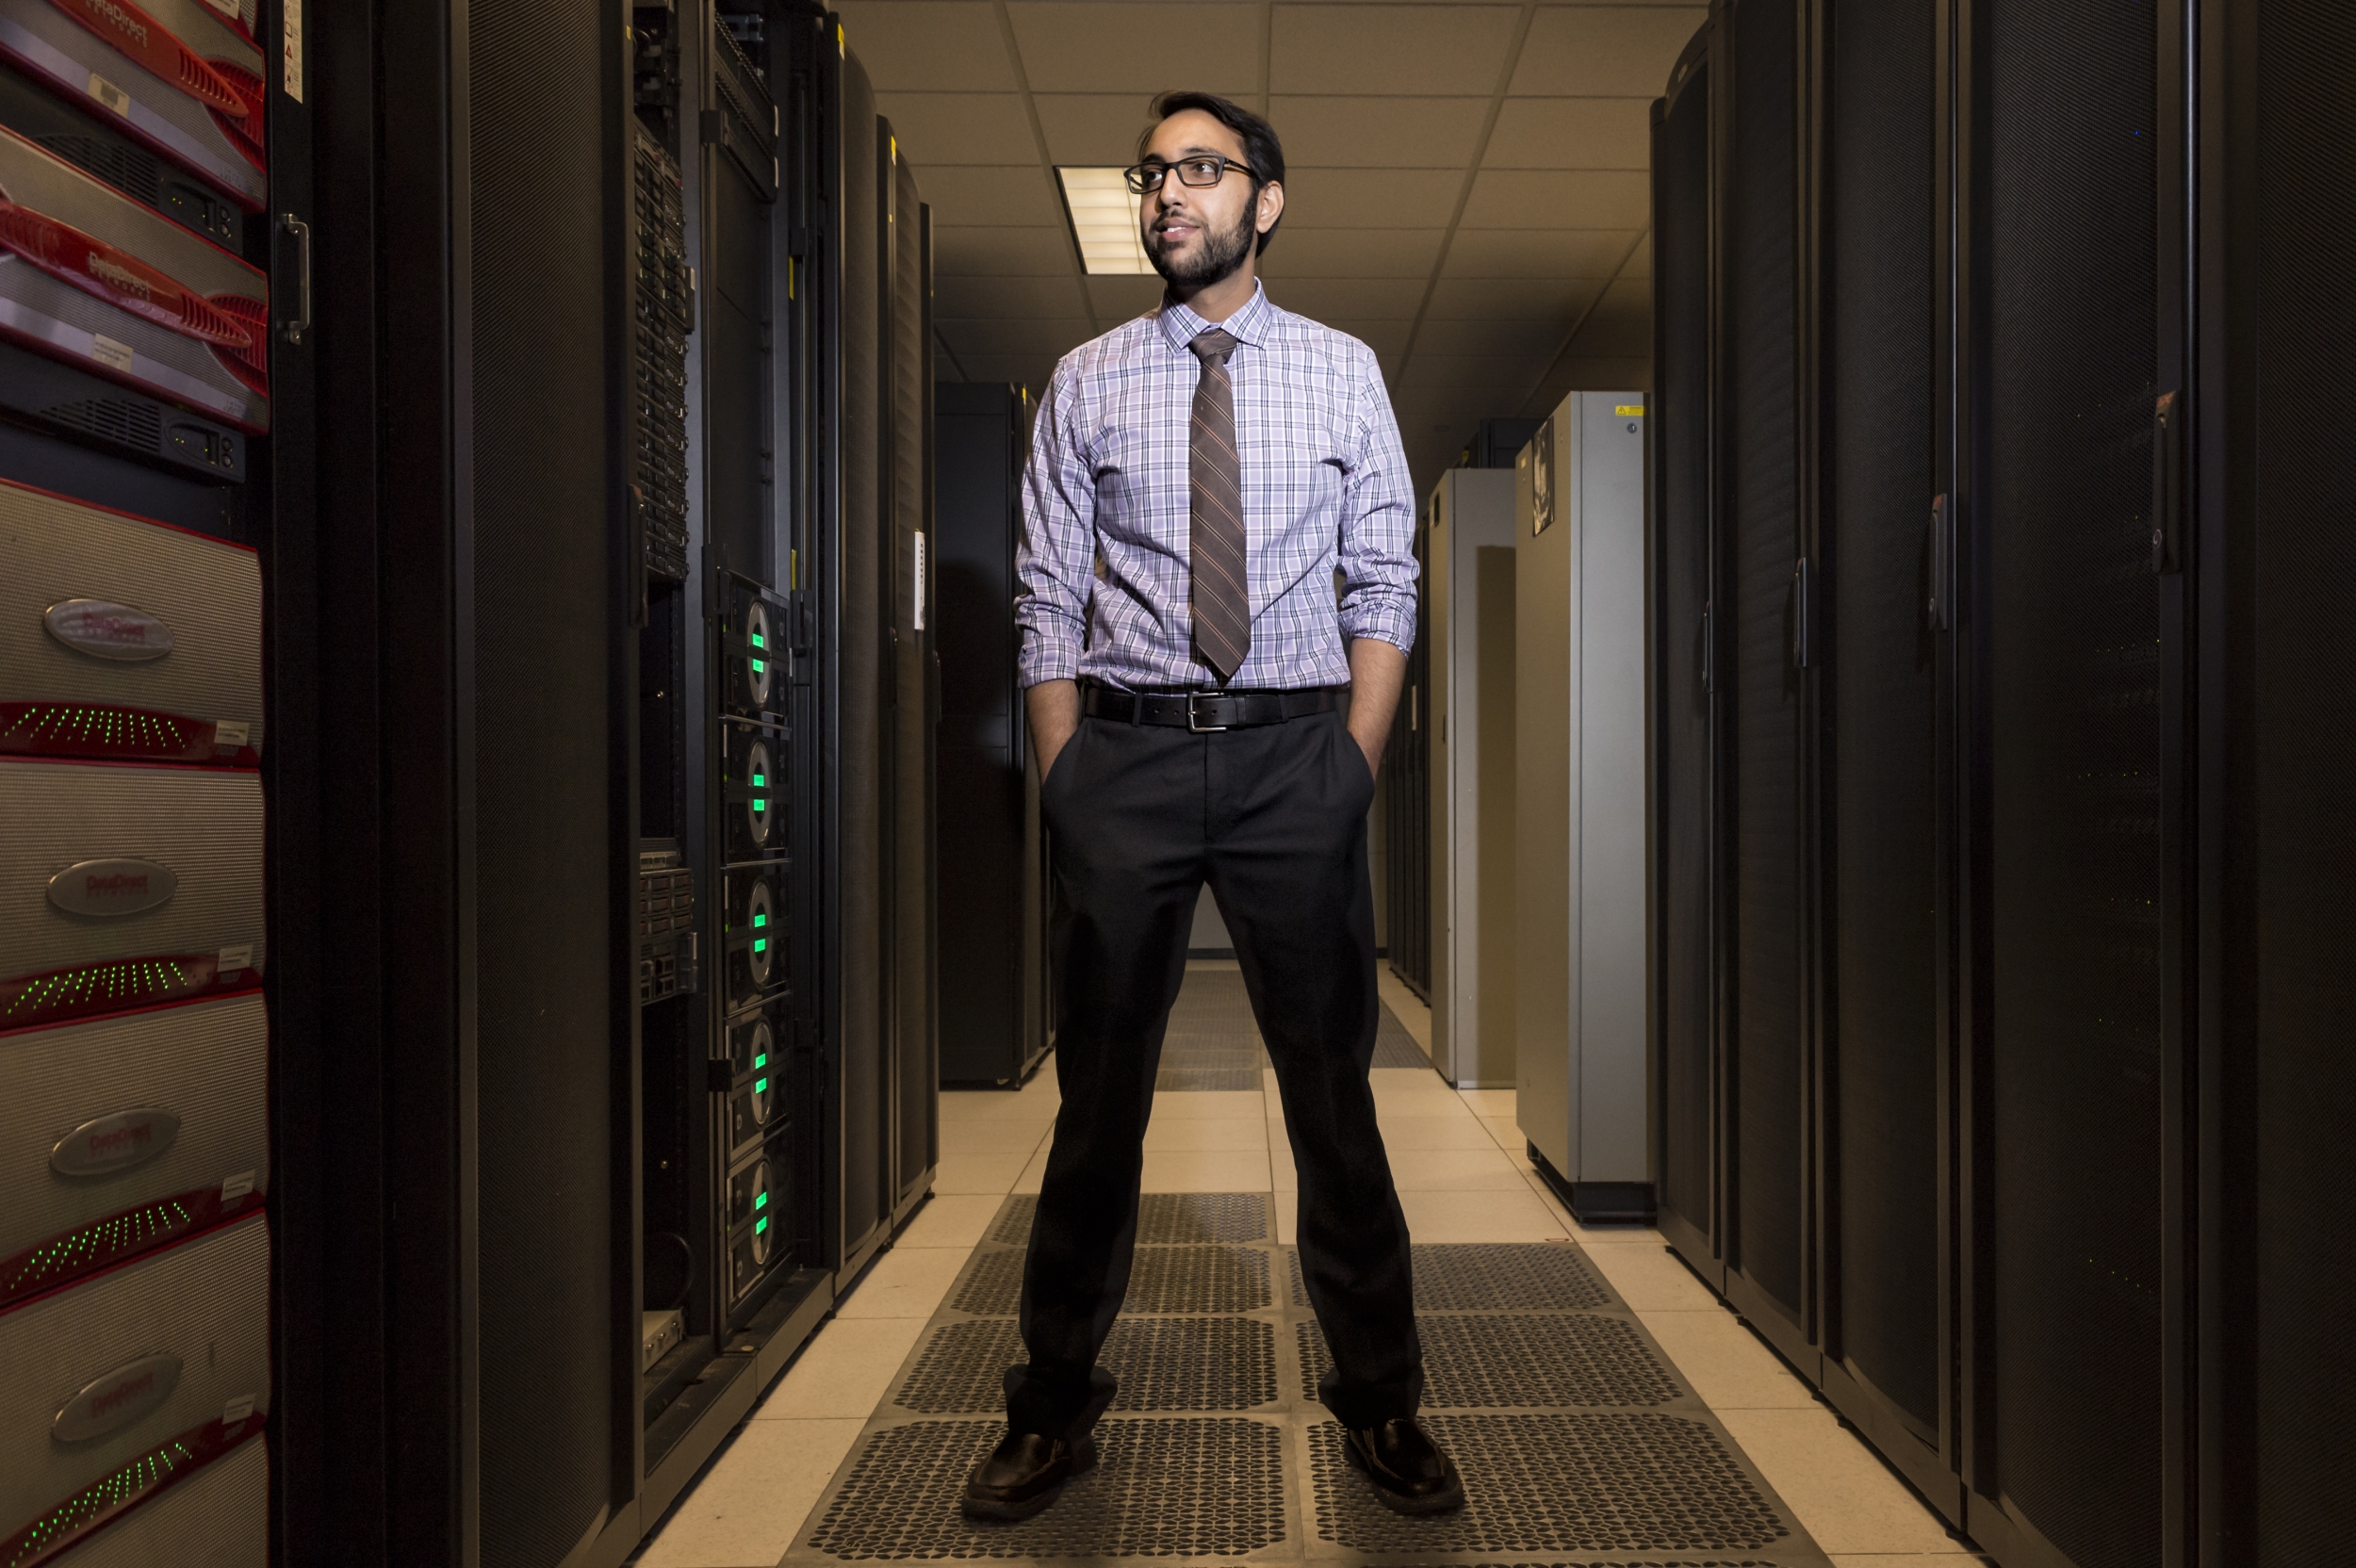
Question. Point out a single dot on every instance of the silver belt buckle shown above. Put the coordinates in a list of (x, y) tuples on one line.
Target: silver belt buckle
[(1194, 718)]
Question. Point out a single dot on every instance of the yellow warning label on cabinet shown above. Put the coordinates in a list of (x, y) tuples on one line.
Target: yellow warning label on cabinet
[(1629, 410)]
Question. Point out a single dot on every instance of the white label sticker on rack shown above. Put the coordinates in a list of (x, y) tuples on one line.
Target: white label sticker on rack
[(290, 16), (228, 732), (110, 94), (920, 582), (235, 1187), (113, 355), (236, 1409), (230, 960), (229, 8)]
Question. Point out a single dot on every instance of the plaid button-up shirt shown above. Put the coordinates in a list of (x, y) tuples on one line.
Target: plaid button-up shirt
[(1324, 484)]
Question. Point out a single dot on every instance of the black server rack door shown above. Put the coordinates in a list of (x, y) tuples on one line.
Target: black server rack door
[(2280, 288), (1760, 547), (859, 904), (2068, 660), (1681, 419), (914, 1076), (1880, 291), (553, 1002), (983, 889), (739, 454)]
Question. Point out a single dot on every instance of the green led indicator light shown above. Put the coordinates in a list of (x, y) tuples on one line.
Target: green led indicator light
[(759, 779), (760, 921), (761, 1201), (758, 641), (761, 944), (759, 665), (760, 1225), (761, 1086), (761, 803), (760, 1061)]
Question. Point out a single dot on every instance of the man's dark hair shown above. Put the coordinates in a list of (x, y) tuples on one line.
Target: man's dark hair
[(1261, 150)]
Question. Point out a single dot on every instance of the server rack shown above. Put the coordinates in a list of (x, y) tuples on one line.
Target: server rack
[(993, 872), (1406, 785), (2023, 854)]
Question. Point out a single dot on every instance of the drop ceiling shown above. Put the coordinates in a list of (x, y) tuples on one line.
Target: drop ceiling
[(1467, 186)]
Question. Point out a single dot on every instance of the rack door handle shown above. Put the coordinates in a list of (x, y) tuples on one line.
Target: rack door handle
[(2167, 489), (1942, 604), (301, 233)]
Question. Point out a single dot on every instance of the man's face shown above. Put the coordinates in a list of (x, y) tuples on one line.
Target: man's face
[(1197, 235)]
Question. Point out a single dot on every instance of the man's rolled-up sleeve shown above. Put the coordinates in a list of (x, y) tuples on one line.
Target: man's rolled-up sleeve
[(1376, 548), (1055, 568)]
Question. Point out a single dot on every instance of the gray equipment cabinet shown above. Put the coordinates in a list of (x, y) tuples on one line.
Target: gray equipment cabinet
[(1578, 933)]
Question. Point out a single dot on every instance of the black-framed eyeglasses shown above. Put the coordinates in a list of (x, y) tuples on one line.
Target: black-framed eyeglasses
[(1206, 170)]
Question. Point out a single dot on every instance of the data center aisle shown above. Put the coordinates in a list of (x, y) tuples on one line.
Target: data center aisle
[(1587, 1364)]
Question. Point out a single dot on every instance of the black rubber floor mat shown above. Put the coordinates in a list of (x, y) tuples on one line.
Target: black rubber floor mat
[(1179, 1486), (1164, 1219), (1508, 1361), (1161, 1279), (1559, 1483), (1497, 1277), (1161, 1363)]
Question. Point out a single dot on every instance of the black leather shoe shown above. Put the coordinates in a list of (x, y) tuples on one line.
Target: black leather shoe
[(1024, 1473), (1410, 1473)]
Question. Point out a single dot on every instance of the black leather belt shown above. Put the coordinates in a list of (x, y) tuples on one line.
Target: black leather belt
[(1204, 712)]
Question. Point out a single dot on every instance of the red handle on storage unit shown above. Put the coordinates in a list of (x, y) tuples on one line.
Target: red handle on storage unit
[(149, 42), (118, 277)]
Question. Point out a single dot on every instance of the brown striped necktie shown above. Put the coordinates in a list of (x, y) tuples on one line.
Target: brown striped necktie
[(1222, 594)]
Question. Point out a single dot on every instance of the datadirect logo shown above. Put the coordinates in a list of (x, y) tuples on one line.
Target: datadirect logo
[(108, 888), (120, 18), (120, 277)]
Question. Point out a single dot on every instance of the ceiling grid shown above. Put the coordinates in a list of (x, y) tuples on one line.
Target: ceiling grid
[(1468, 189)]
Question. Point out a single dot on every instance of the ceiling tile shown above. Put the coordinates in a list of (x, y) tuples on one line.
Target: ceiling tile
[(1620, 326), (942, 129), (1363, 299), (1403, 49), (1093, 127), (1378, 133), (1369, 197), (1604, 51), (1001, 252), (1571, 133), (1353, 253), (1119, 299), (1560, 199), (1037, 339), (996, 194), (1070, 47), (944, 45), (965, 297), (1523, 338), (1558, 299), (1500, 378), (1538, 253), (1388, 338)]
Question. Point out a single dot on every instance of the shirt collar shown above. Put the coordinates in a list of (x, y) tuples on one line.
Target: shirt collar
[(1181, 325)]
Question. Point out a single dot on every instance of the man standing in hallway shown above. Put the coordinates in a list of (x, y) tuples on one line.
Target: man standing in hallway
[(1196, 479)]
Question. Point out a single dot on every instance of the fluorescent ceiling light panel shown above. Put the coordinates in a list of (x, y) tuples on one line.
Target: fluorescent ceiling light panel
[(1104, 215)]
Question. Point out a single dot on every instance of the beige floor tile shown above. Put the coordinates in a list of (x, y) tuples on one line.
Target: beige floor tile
[(1506, 1134), (1210, 1105), (960, 1107), (1843, 1494), (983, 1173), (1726, 1362), (1287, 1218), (1954, 1557), (1464, 1216), (1489, 1102), (1283, 1174), (1223, 1133), (1034, 1171), (747, 1510), (1206, 1170), (991, 1137), (1267, 1086), (906, 1281), (1402, 1131), (1405, 1006), (952, 1220), (844, 1371), (1390, 1081), (1651, 1281), (1466, 1170), (988, 1173), (1616, 1235)]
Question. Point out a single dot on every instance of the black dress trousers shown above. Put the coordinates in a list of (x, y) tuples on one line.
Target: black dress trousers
[(1274, 818)]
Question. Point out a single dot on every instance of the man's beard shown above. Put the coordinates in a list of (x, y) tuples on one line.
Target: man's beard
[(1218, 258)]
